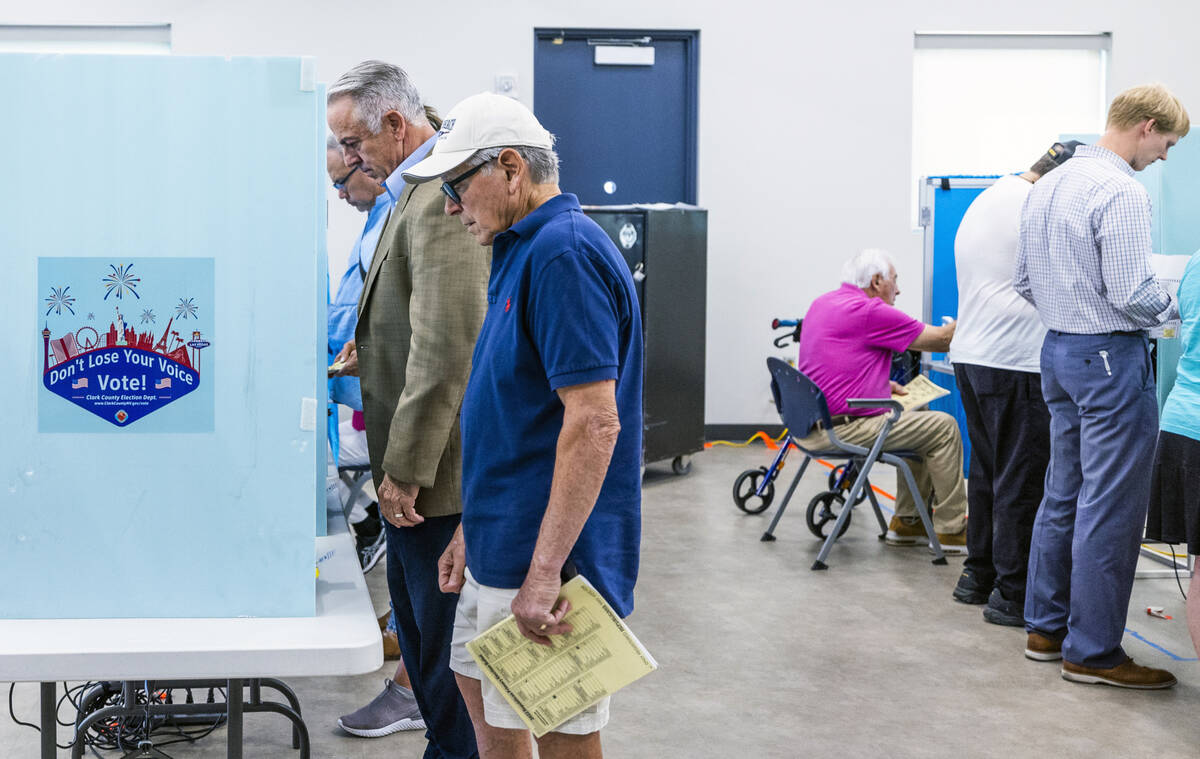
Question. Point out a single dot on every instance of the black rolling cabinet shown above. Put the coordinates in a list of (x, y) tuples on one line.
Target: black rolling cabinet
[(666, 249)]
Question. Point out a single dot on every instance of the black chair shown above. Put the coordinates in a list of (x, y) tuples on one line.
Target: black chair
[(802, 407)]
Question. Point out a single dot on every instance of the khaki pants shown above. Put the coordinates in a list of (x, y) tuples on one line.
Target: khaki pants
[(939, 473)]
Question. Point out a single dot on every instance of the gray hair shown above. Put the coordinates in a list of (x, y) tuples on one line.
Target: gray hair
[(861, 269), (542, 162), (375, 88)]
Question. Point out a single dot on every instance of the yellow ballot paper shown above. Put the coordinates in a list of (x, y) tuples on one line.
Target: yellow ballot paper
[(547, 685), (920, 392)]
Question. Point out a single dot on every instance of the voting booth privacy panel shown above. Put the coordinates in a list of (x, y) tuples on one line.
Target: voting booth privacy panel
[(163, 236)]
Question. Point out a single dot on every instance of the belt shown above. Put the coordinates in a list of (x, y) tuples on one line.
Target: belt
[(1114, 333), (836, 420)]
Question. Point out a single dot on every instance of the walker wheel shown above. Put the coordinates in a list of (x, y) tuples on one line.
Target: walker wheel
[(836, 472), (823, 511), (745, 491)]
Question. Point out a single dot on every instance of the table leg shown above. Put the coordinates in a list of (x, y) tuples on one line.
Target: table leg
[(290, 695), (49, 721), (233, 698)]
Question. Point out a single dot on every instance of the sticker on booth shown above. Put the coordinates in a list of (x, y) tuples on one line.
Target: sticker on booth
[(125, 340)]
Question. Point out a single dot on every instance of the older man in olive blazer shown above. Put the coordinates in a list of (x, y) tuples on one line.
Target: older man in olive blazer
[(422, 304), (419, 314)]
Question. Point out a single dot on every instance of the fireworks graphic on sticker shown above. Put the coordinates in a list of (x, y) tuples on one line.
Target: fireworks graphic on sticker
[(148, 316), (121, 281), (59, 299), (186, 308)]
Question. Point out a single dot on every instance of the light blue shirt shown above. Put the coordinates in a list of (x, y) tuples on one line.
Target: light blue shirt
[(394, 184), (1083, 256), (343, 309), (1181, 412)]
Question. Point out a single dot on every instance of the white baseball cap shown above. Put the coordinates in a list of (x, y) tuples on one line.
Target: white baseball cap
[(482, 121)]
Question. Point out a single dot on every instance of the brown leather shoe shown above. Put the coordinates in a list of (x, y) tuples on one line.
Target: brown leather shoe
[(391, 645), (1040, 648), (1124, 675), (903, 532), (384, 619), (953, 543)]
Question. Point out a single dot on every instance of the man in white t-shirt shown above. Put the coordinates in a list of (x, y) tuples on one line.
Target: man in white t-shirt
[(996, 356)]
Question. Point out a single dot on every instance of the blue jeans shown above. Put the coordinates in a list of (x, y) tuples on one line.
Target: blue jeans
[(425, 626), (1103, 425)]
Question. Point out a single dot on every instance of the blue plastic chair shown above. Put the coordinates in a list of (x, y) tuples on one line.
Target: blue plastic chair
[(802, 407)]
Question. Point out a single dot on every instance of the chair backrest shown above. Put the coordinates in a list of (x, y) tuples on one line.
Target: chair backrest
[(800, 402)]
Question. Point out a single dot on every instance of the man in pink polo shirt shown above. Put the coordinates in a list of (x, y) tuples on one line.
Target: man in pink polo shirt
[(846, 348)]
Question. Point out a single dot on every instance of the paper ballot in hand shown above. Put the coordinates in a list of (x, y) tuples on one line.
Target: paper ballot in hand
[(1168, 270), (920, 392), (547, 685)]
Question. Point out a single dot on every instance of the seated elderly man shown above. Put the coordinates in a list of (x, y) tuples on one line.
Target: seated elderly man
[(846, 347)]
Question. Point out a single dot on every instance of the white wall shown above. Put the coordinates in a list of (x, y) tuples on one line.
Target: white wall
[(805, 115)]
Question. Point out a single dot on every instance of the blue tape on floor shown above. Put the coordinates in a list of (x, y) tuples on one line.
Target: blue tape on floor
[(1152, 644)]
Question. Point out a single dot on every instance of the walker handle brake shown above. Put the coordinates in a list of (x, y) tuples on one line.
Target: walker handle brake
[(792, 337)]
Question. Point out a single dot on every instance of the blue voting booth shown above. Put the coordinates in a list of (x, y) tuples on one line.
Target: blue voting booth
[(1174, 189), (163, 239)]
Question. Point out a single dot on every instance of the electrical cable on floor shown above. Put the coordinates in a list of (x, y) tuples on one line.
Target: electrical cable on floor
[(1175, 566), (121, 733), (12, 713), (190, 737), (767, 440), (68, 695)]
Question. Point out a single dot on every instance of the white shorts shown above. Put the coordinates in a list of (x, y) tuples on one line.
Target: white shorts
[(480, 607)]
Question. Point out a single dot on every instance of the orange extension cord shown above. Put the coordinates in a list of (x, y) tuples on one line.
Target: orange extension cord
[(773, 444)]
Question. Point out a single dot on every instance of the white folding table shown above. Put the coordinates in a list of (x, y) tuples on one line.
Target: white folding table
[(342, 639)]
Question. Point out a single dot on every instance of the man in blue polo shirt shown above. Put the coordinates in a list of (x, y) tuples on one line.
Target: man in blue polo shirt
[(552, 417)]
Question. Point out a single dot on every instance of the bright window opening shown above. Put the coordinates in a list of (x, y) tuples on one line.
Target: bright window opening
[(992, 103)]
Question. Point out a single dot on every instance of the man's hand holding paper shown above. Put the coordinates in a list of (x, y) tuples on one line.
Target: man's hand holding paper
[(538, 609)]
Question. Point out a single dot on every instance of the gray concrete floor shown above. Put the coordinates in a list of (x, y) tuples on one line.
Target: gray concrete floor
[(761, 657)]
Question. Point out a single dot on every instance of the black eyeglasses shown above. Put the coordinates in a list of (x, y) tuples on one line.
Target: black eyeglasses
[(448, 186), (341, 183)]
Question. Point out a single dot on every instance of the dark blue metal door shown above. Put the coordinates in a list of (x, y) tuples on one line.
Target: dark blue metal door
[(626, 133)]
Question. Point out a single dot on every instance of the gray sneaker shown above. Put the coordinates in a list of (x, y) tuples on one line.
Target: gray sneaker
[(390, 712)]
